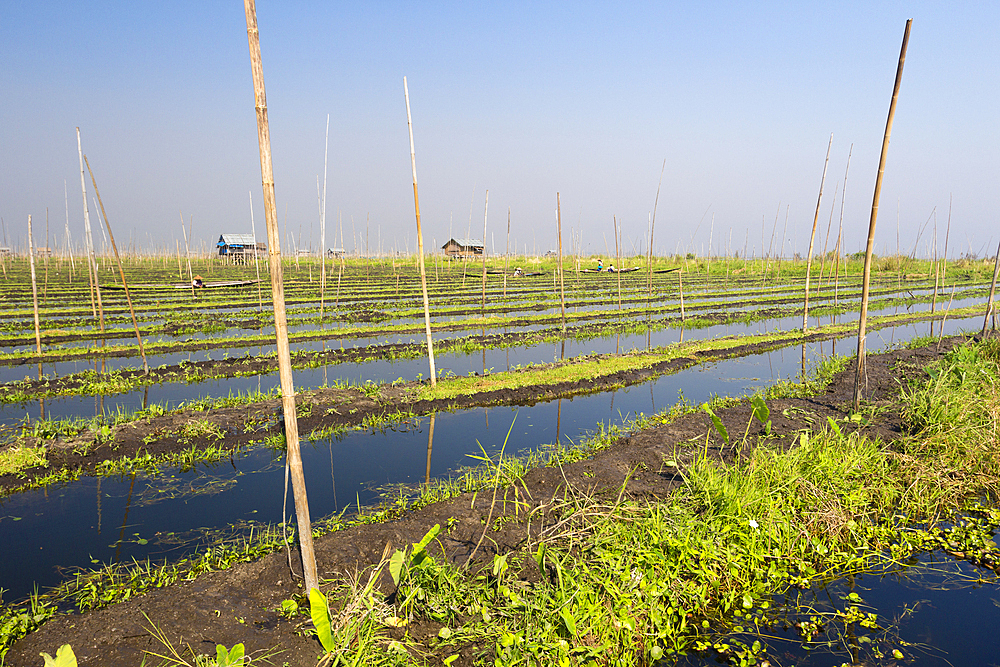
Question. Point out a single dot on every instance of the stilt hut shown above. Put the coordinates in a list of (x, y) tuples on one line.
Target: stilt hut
[(240, 248), (463, 248)]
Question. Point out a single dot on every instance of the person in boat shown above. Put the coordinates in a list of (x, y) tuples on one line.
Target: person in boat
[(518, 272), (600, 264), (198, 281), (611, 268)]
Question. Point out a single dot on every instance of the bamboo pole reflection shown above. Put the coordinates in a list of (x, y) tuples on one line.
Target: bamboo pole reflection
[(128, 505), (430, 448)]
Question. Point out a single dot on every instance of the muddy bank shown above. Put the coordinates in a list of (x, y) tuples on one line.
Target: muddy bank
[(239, 605)]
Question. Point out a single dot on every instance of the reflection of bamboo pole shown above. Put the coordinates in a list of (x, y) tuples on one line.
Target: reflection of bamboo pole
[(993, 287), (420, 241), (430, 447), (121, 271), (562, 288), (34, 288), (863, 320), (294, 456), (812, 238)]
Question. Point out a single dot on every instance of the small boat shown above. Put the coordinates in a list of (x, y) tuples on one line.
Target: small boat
[(148, 286)]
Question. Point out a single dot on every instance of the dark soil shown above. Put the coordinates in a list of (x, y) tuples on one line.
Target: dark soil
[(239, 605)]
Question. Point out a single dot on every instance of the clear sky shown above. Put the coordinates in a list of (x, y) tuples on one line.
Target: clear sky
[(523, 99)]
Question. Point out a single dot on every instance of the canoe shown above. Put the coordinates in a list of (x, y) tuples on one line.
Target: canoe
[(148, 286)]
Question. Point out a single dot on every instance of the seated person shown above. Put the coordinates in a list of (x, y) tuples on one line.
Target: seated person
[(198, 281)]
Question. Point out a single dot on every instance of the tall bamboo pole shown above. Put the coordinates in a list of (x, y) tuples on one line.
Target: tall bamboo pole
[(993, 287), (256, 264), (69, 244), (947, 233), (322, 226), (34, 289), (482, 307), (506, 256), (420, 240), (618, 263), (121, 271), (278, 298), (812, 237), (187, 254), (863, 320), (562, 288), (95, 289)]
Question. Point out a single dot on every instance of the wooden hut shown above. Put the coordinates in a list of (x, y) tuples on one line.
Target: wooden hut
[(463, 248), (240, 248)]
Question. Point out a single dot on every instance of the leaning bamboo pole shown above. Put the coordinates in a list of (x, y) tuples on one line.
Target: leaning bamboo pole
[(256, 264), (121, 271), (863, 320), (34, 289), (812, 237), (420, 241), (278, 297), (618, 263), (506, 257), (993, 287)]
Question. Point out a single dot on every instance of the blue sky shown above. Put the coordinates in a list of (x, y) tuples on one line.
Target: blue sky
[(523, 99)]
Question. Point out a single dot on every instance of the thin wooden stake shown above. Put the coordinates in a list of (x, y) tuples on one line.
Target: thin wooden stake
[(121, 271), (278, 297), (420, 240), (256, 264), (562, 288), (322, 227), (34, 289), (812, 237), (95, 288), (187, 252), (482, 307), (506, 256), (863, 320), (618, 263), (993, 287)]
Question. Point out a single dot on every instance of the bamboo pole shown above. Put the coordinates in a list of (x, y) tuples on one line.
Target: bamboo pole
[(420, 240), (506, 257), (34, 289), (322, 227), (278, 297), (618, 263), (69, 244), (121, 271), (863, 320), (947, 233), (256, 264), (95, 289), (187, 253), (482, 306), (562, 287), (993, 287), (812, 237)]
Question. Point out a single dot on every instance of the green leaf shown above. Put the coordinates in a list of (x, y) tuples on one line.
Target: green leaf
[(760, 410), (568, 619), (396, 561), (719, 426), (64, 657), (320, 612), (833, 425), (431, 534), (229, 658)]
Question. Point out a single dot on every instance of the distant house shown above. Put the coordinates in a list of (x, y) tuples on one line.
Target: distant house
[(336, 253), (462, 248), (6, 252), (240, 248), (43, 251)]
